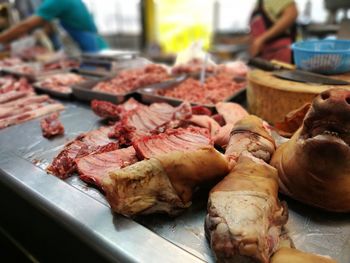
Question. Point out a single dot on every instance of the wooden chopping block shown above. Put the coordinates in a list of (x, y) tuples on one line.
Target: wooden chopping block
[(272, 98)]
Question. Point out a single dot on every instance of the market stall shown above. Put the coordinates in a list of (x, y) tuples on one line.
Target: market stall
[(111, 156)]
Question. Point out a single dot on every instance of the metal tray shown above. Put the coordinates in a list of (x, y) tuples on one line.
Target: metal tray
[(84, 92), (149, 94), (84, 212), (89, 75)]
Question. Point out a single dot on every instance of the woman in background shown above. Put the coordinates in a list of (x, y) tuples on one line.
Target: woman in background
[(273, 29)]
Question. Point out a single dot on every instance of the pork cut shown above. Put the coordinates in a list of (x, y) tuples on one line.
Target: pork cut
[(94, 168), (144, 120), (108, 110), (51, 126), (188, 139), (165, 183), (63, 164), (31, 114)]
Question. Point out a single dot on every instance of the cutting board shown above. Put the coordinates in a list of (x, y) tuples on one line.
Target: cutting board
[(272, 98)]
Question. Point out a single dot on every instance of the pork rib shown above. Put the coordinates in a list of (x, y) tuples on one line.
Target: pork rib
[(94, 168), (29, 115), (63, 164), (13, 95), (188, 139), (143, 120)]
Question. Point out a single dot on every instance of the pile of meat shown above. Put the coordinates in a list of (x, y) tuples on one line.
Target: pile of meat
[(61, 82), (129, 80), (10, 62), (61, 64), (18, 103), (215, 89), (141, 132)]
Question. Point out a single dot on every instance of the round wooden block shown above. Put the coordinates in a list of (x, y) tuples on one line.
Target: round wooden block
[(272, 98)]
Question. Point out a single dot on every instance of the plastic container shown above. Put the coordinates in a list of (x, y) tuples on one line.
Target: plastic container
[(323, 56)]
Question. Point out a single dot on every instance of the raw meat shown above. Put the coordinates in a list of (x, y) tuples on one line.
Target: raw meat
[(29, 115), (133, 79), (172, 140), (9, 83), (205, 121), (314, 165), (61, 64), (106, 110), (232, 112), (25, 101), (192, 67), (201, 110), (245, 217), (61, 82), (63, 164), (145, 120), (292, 121), (51, 126), (215, 89), (164, 183), (95, 167), (13, 95)]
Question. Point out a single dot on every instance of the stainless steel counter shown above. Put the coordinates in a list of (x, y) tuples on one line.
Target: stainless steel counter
[(24, 154)]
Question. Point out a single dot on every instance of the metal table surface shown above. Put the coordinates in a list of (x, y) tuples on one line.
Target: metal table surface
[(83, 210)]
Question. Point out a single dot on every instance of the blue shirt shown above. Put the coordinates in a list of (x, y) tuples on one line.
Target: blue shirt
[(76, 20)]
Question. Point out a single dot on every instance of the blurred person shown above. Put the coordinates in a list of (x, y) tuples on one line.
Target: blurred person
[(273, 29), (73, 16)]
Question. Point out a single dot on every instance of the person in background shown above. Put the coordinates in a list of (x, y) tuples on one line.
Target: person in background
[(273, 29), (73, 17)]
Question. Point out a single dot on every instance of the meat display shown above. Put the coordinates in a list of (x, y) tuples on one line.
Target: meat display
[(145, 120), (10, 62), (105, 109), (51, 126), (96, 141), (61, 82), (108, 110), (245, 217), (215, 89), (314, 165), (189, 139), (94, 168), (130, 80), (164, 183), (231, 114), (287, 255), (9, 83), (65, 63), (19, 104)]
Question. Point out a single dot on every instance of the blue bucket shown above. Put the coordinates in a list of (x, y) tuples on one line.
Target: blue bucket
[(323, 56)]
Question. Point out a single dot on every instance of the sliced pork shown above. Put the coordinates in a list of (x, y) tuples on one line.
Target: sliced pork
[(171, 140), (63, 164), (144, 120), (94, 168)]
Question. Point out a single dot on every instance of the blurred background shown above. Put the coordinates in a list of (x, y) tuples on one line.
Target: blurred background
[(161, 28)]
